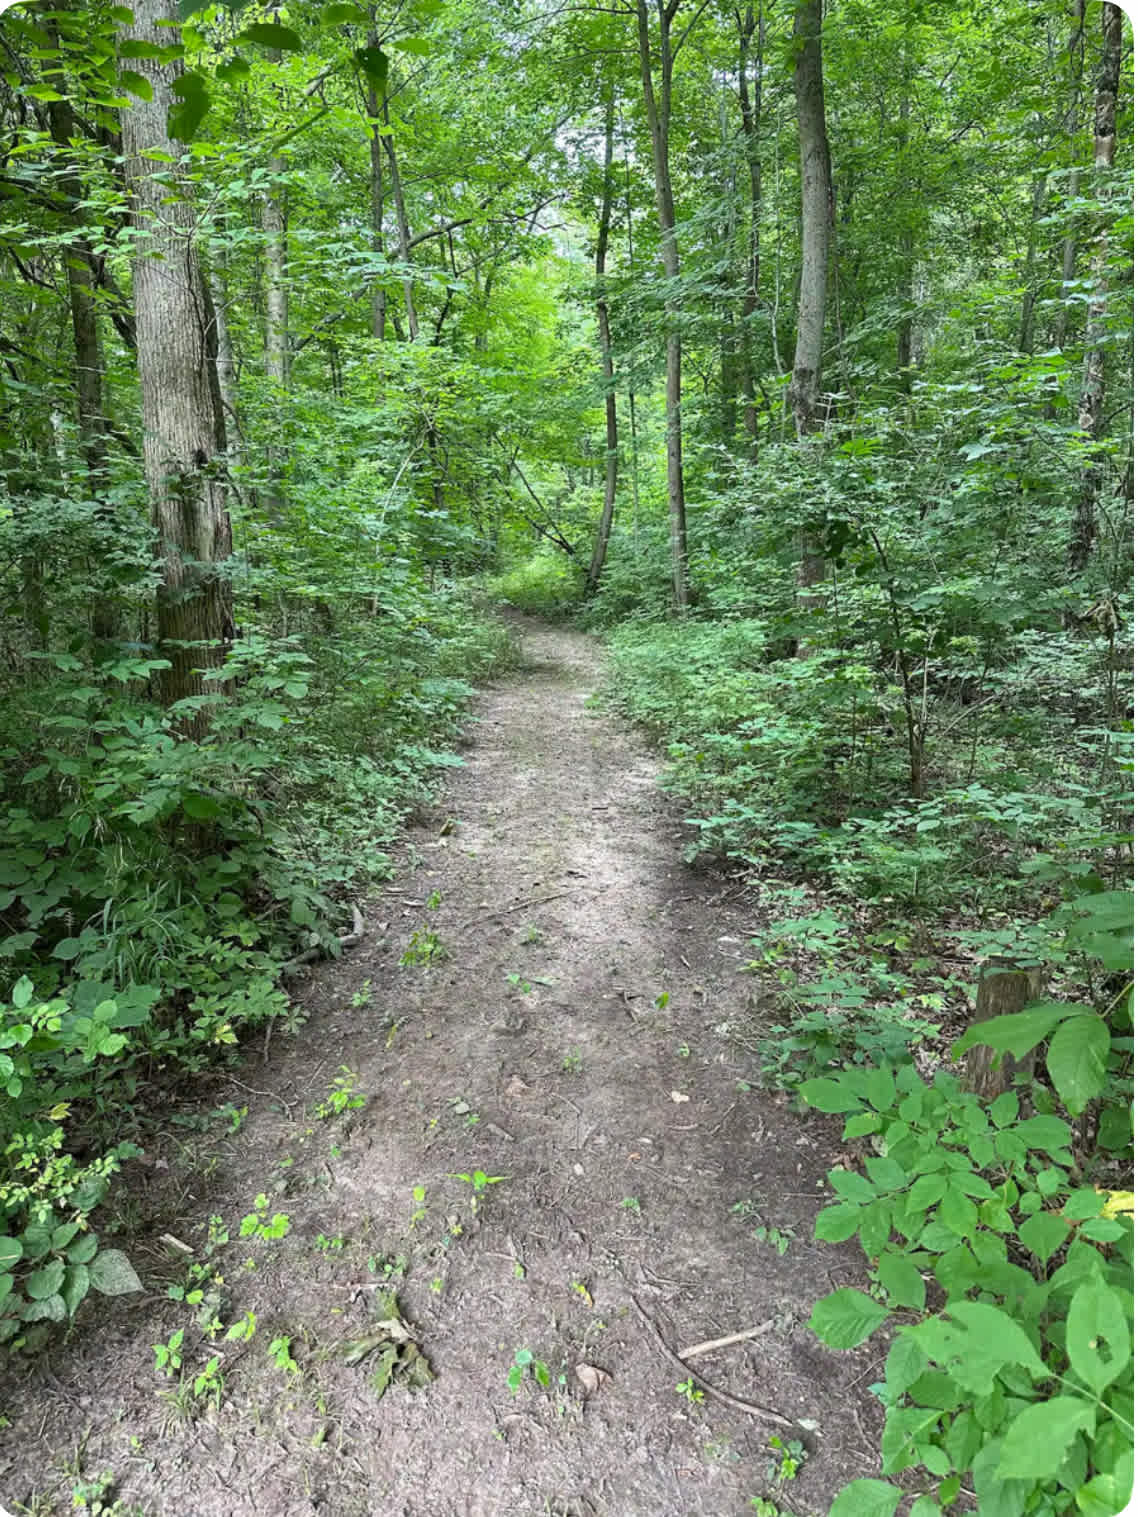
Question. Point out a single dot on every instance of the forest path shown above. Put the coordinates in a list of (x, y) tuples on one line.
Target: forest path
[(585, 1037)]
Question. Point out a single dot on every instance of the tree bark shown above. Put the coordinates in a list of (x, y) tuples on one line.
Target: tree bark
[(658, 109), (402, 229), (1025, 341), (604, 526), (817, 211), (1094, 371), (375, 147), (181, 427), (1002, 991), (749, 26)]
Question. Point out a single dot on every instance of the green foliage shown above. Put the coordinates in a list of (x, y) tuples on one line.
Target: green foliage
[(545, 584)]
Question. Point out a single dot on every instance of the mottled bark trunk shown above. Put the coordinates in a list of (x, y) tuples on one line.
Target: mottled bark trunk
[(403, 230), (274, 225), (751, 26), (178, 383), (814, 158), (604, 526), (658, 109), (375, 148), (817, 209), (1094, 372), (1025, 341)]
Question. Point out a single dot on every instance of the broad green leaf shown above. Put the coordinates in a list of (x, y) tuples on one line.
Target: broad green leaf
[(76, 1284), (136, 84), (846, 1317), (188, 114), (997, 1335), (829, 1095), (45, 1282), (112, 1274), (837, 1223), (339, 15), (1037, 1441), (200, 808), (1098, 1338), (1108, 1494), (1050, 1134), (902, 1279), (67, 948), (49, 1309), (373, 62), (866, 1498), (272, 35), (1043, 1234), (1076, 1061), (880, 1089), (11, 1252), (1017, 1033)]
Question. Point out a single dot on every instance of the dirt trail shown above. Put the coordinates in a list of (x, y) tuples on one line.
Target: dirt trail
[(585, 1037)]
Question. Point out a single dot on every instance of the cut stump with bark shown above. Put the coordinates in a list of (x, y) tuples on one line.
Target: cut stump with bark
[(1003, 990)]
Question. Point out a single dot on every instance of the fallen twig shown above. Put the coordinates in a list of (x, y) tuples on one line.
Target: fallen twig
[(712, 1390), (348, 940), (505, 911), (713, 1343)]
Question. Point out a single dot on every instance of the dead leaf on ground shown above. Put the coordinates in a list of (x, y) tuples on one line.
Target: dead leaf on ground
[(678, 1095), (516, 1087), (590, 1378), (401, 1361)]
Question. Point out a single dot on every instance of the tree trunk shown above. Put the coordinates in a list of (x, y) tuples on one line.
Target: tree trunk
[(748, 25), (1094, 372), (274, 225), (604, 526), (658, 111), (375, 146), (1026, 339), (178, 382), (1002, 991), (402, 229), (817, 210)]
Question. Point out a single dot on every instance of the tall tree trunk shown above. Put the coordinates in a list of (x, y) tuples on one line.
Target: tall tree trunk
[(1025, 341), (1094, 372), (375, 146), (402, 228), (817, 209), (604, 526), (226, 361), (749, 26), (274, 225), (181, 424), (658, 109)]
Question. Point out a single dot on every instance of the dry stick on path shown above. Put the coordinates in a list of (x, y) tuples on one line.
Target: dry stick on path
[(712, 1390), (716, 1343), (505, 911)]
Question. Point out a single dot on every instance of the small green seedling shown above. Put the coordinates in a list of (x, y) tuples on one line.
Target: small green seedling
[(258, 1224), (424, 948), (168, 1355), (434, 901), (632, 1204), (325, 1245), (362, 996), (524, 1362), (419, 1200), (571, 1063), (662, 1000), (209, 1385), (341, 1096), (280, 1352), (690, 1391), (789, 1459), (479, 1182), (243, 1330)]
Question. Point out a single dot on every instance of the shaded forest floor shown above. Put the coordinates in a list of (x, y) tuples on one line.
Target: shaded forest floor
[(545, 995)]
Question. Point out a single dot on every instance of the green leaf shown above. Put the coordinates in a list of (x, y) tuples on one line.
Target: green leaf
[(1043, 1234), (998, 1335), (233, 70), (373, 62), (1017, 1033), (957, 1213), (860, 1124), (837, 1223), (418, 46), (76, 1284), (1096, 1326), (1108, 1494), (22, 992), (829, 1095), (45, 1282), (201, 808), (1051, 1134), (67, 948), (339, 15), (846, 1317), (926, 1191), (136, 84), (270, 34), (1076, 1061), (11, 1252), (902, 1279), (188, 114), (1037, 1441), (84, 1250), (112, 1274), (866, 1498)]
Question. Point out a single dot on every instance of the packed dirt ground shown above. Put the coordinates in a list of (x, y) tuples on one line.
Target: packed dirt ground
[(526, 1103)]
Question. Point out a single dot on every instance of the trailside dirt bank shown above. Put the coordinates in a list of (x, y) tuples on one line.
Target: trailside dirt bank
[(524, 1103)]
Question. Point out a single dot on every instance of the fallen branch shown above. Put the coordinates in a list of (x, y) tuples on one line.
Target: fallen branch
[(712, 1390), (714, 1343), (505, 911), (348, 940)]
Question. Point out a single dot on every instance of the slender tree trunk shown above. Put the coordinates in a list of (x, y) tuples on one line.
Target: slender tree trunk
[(1026, 339), (178, 381), (226, 361), (749, 26), (375, 146), (402, 228), (658, 110), (1067, 274), (604, 526), (1094, 372), (274, 225), (817, 209)]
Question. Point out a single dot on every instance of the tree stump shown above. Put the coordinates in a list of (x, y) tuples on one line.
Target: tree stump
[(1003, 989)]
